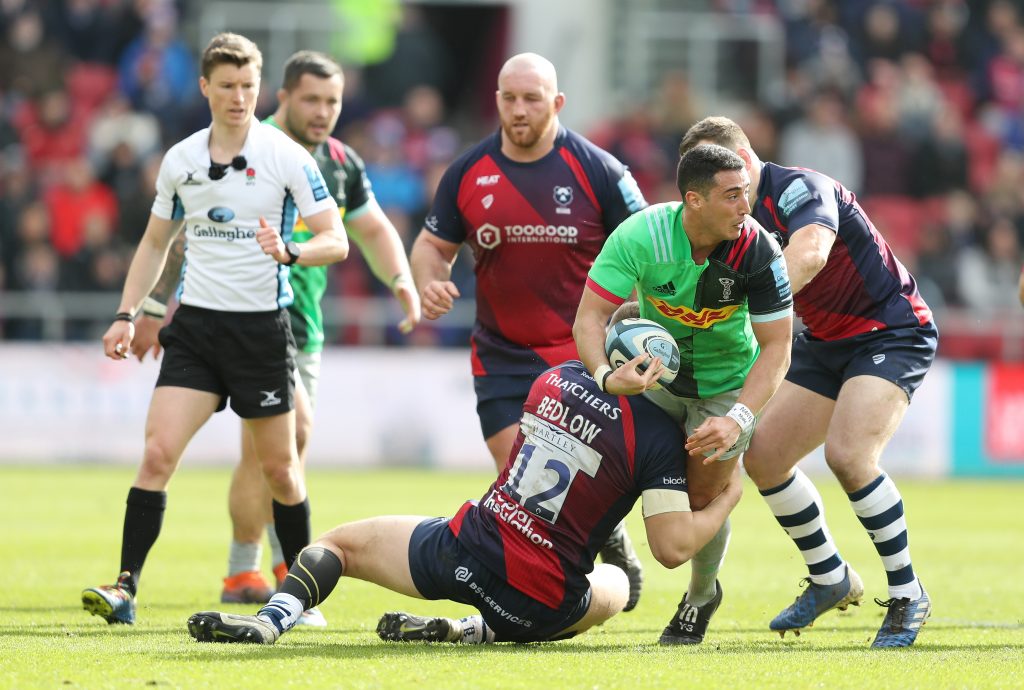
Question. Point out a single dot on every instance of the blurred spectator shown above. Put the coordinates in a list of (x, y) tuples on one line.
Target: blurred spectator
[(940, 162), (76, 203), (158, 74), (86, 29), (30, 61), (885, 150), (426, 138), (52, 131), (946, 43), (115, 126), (824, 142), (935, 267), (885, 34), (988, 273)]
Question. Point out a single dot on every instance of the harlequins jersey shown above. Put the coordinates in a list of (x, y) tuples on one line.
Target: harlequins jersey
[(707, 307)]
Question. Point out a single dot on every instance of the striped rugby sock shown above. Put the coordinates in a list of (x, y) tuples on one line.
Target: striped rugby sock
[(796, 504), (879, 507)]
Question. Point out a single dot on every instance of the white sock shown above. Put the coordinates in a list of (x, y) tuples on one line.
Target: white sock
[(474, 630), (243, 557), (276, 552), (879, 507), (281, 611), (704, 567), (796, 505)]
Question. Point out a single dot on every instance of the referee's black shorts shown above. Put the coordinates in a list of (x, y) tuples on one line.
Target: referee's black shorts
[(247, 357)]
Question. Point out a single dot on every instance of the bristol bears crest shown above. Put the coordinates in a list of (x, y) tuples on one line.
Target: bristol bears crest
[(563, 195)]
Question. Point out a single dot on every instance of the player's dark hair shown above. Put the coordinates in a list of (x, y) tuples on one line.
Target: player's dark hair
[(698, 167), (231, 49), (714, 130), (308, 62)]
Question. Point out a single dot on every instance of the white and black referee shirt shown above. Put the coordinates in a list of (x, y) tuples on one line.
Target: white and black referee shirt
[(224, 267)]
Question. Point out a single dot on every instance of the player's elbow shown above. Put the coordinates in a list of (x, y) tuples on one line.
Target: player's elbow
[(339, 247), (674, 553)]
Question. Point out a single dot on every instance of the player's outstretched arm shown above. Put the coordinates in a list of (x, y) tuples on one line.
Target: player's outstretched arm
[(432, 259), (675, 537), (380, 243)]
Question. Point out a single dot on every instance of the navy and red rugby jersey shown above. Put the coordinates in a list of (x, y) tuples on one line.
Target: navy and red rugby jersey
[(580, 461), (534, 229), (863, 286)]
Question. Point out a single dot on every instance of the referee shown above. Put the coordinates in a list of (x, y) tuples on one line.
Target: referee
[(236, 188)]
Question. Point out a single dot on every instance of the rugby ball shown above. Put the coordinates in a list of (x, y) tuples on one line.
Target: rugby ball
[(631, 337)]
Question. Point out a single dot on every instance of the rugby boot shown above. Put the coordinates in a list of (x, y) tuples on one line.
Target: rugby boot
[(249, 587), (903, 620), (817, 599), (690, 623), (619, 551), (405, 627), (211, 626), (114, 603)]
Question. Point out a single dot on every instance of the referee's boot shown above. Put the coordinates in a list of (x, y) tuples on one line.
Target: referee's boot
[(690, 623), (619, 551), (817, 599), (113, 603)]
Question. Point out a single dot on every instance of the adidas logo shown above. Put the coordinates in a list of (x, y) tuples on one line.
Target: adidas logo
[(668, 288)]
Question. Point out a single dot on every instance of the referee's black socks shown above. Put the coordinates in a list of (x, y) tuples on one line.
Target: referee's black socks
[(293, 529), (143, 517)]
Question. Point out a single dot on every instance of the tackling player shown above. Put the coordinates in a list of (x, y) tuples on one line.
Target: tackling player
[(234, 187), (535, 202), (523, 555), (717, 281), (868, 342), (309, 104)]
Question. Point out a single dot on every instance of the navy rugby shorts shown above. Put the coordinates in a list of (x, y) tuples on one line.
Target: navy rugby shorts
[(499, 400), (442, 569), (245, 357), (900, 355)]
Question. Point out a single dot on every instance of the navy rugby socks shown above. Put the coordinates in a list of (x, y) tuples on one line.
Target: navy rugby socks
[(291, 524)]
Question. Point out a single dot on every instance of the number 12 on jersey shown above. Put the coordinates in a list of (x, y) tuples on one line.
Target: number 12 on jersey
[(546, 466)]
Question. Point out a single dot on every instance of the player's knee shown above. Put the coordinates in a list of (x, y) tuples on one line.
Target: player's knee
[(610, 587), (280, 474), (303, 430), (157, 460)]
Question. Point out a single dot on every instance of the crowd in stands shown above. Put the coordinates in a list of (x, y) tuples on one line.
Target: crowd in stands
[(917, 106)]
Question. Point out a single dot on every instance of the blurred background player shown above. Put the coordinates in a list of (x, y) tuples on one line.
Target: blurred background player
[(231, 338), (309, 104), (867, 344), (535, 202), (526, 546), (716, 280)]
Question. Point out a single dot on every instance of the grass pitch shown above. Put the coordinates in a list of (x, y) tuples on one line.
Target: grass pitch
[(62, 527)]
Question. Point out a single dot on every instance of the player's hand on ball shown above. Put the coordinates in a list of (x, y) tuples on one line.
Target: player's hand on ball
[(118, 339), (629, 380), (147, 330), (438, 298), (271, 242)]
